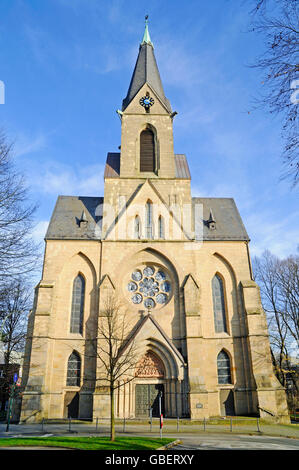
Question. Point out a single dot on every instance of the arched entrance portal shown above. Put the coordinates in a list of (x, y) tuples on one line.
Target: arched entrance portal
[(150, 393)]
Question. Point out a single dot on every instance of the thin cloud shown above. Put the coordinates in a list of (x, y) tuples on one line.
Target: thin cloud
[(58, 179), (278, 237), (25, 145), (40, 230)]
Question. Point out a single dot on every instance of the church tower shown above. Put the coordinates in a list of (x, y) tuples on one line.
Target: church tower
[(147, 150), (179, 267), (147, 120)]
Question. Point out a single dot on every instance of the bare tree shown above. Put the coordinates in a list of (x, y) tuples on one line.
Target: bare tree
[(278, 22), (288, 284), (261, 5), (279, 282), (15, 303), (18, 252), (116, 350)]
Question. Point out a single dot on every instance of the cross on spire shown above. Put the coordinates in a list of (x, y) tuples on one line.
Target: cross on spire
[(146, 37)]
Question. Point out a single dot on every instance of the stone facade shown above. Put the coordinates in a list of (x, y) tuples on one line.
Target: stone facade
[(178, 344)]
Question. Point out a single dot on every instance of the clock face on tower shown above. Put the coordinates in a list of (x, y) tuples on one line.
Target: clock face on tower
[(146, 101)]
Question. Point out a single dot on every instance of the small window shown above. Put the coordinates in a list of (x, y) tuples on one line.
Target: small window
[(219, 304), (147, 151), (78, 305), (161, 227), (73, 370), (149, 220), (137, 227), (223, 368)]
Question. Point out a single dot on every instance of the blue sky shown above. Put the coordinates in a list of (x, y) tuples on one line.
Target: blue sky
[(67, 64)]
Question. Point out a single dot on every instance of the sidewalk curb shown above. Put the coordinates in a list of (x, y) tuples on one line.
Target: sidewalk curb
[(170, 445)]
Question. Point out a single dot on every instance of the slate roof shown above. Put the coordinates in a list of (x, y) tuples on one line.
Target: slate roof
[(68, 211), (65, 221), (112, 168), (181, 166), (146, 71), (228, 222)]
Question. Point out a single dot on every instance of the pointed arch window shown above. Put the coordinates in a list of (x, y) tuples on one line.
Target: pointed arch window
[(149, 219), (224, 368), (137, 227), (147, 150), (78, 305), (73, 370), (161, 227), (219, 304)]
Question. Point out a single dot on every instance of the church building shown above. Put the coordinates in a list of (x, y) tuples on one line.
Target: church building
[(180, 269)]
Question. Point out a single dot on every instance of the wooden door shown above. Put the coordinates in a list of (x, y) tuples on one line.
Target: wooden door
[(146, 397)]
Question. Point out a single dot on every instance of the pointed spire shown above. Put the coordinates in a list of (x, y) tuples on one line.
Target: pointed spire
[(211, 221), (83, 217), (211, 218), (82, 222), (146, 37), (146, 71)]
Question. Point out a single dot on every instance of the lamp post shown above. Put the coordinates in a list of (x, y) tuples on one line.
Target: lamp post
[(10, 405), (160, 412)]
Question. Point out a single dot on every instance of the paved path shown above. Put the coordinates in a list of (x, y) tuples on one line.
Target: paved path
[(191, 437), (142, 429), (238, 442)]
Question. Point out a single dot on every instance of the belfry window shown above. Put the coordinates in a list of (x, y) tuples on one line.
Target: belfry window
[(223, 368), (73, 370), (149, 220), (78, 305), (147, 151), (219, 304)]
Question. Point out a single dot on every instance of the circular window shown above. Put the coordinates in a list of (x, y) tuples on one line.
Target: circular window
[(137, 299), (136, 275), (132, 286), (149, 285)]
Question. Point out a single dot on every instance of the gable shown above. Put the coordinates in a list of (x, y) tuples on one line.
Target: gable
[(122, 226), (159, 106), (149, 336)]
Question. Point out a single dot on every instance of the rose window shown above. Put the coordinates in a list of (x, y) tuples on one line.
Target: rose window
[(150, 286)]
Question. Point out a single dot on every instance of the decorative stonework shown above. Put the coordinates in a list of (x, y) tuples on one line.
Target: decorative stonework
[(150, 366), (149, 285)]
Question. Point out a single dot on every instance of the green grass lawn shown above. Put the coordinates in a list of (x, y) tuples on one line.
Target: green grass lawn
[(88, 443)]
